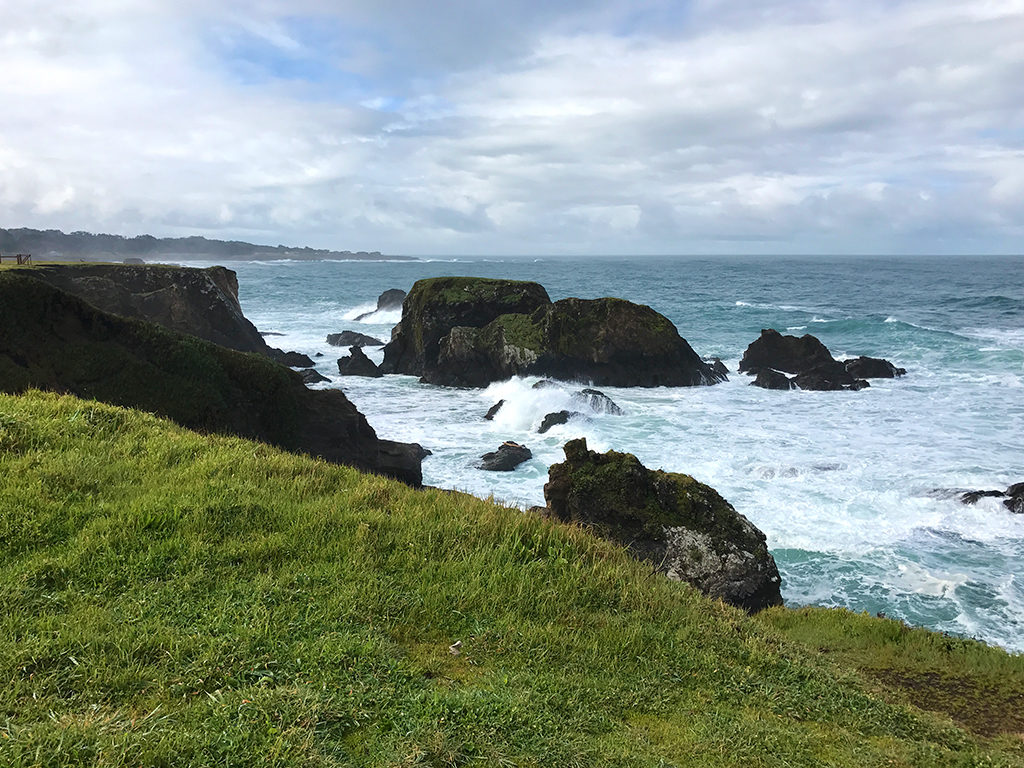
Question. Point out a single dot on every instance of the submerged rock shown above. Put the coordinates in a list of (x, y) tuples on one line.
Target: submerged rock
[(461, 331), (554, 419), (508, 456), (685, 528), (392, 298), (1013, 497), (353, 339), (358, 364), (598, 402)]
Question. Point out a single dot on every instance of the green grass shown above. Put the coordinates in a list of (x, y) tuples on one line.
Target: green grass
[(174, 599)]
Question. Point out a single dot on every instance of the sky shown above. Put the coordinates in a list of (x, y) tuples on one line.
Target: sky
[(520, 126)]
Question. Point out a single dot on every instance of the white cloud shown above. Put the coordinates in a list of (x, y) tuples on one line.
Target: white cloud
[(876, 126)]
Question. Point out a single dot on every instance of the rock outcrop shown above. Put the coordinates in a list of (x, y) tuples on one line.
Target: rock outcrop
[(353, 339), (392, 298), (312, 376), (493, 410), (597, 401), (683, 527), (1013, 497), (199, 302), (358, 364), (460, 331), (50, 339), (554, 419), (772, 355), (508, 456)]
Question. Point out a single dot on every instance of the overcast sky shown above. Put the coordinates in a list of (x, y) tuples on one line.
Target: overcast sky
[(520, 126)]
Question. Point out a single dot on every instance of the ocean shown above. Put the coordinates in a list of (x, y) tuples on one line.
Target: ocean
[(856, 491)]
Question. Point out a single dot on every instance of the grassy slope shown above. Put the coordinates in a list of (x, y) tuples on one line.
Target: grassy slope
[(177, 599)]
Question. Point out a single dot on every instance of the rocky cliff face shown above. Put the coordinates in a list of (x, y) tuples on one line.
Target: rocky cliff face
[(472, 331), (683, 527), (51, 339)]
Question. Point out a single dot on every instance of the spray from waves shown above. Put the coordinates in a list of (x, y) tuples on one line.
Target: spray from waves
[(526, 406), (367, 314)]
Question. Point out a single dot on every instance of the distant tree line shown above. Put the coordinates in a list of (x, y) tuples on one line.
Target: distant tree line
[(54, 244)]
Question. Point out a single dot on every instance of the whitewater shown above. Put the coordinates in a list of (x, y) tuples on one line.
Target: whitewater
[(856, 491)]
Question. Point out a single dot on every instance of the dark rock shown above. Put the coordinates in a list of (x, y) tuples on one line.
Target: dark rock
[(353, 339), (319, 354), (820, 381), (461, 331), (719, 367), (545, 384), (358, 364), (1015, 500), (768, 379), (50, 339), (597, 401), (437, 305), (685, 528), (859, 384), (392, 298), (291, 359), (424, 452), (972, 497), (872, 368), (493, 410), (785, 353), (553, 419), (508, 456), (312, 376), (270, 333)]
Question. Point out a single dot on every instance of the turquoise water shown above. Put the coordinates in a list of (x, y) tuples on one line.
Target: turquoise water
[(855, 490)]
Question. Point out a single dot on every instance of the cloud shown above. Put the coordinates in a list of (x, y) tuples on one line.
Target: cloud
[(521, 127)]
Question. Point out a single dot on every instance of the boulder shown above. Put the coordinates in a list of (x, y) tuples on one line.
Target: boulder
[(508, 456), (50, 339), (768, 379), (437, 305), (872, 368), (718, 366), (352, 339), (973, 497), (554, 419), (597, 401), (681, 526), (545, 384), (358, 364), (392, 298), (493, 410), (312, 376)]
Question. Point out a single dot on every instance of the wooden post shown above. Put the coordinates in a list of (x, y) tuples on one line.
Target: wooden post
[(24, 258)]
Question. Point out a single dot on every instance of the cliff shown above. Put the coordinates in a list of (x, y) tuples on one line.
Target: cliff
[(51, 339)]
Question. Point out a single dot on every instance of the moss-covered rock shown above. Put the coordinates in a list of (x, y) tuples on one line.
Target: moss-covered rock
[(50, 339), (437, 305), (682, 526), (460, 331)]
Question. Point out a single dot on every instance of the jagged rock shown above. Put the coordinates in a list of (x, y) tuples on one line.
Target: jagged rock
[(554, 419), (872, 368), (508, 456), (493, 410), (392, 298), (1013, 497), (358, 364), (312, 376), (718, 366), (352, 339), (685, 528), (768, 379), (597, 401), (291, 359), (461, 331), (544, 384), (50, 339), (814, 365)]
